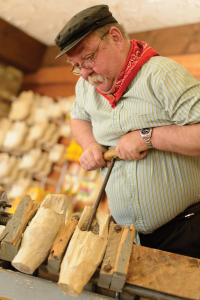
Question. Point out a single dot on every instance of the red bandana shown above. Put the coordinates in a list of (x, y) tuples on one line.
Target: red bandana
[(139, 54)]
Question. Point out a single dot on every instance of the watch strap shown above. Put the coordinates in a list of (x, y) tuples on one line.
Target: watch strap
[(146, 135)]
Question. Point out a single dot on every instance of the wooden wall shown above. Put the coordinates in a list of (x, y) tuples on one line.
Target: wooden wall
[(18, 49), (53, 78), (191, 62), (173, 41), (54, 81), (49, 76), (181, 44)]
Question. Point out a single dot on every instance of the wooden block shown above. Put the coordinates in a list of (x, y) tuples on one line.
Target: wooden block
[(123, 258), (108, 264), (165, 272), (59, 247), (84, 253), (41, 233), (12, 234)]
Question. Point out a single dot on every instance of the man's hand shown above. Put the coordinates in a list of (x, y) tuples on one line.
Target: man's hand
[(92, 157), (131, 146)]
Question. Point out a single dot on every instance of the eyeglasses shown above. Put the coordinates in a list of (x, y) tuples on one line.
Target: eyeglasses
[(88, 63)]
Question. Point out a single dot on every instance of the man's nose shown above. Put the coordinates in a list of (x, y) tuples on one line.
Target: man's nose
[(86, 72)]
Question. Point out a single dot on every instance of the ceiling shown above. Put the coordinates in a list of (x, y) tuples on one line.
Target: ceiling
[(43, 19)]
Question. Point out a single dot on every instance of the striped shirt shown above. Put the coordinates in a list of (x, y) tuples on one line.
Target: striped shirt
[(148, 192)]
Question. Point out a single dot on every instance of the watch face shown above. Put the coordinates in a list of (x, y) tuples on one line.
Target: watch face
[(145, 130)]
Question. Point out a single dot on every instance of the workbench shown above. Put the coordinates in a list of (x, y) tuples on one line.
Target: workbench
[(127, 271), (152, 274), (18, 286)]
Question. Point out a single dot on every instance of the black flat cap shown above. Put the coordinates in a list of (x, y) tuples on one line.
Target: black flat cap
[(80, 25)]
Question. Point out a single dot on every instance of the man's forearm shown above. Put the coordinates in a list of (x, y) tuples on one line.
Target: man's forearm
[(180, 139), (173, 138), (92, 156), (82, 132)]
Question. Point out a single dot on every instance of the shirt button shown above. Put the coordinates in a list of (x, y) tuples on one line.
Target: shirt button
[(115, 117), (130, 175), (136, 223), (132, 199)]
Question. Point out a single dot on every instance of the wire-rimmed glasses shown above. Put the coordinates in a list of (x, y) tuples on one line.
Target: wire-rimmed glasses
[(88, 63)]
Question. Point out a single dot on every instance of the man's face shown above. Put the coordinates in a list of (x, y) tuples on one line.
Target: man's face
[(103, 75)]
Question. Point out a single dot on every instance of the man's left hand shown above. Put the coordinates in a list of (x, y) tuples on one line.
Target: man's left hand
[(131, 146)]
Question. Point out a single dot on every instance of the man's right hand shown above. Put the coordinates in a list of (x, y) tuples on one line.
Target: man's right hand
[(92, 157)]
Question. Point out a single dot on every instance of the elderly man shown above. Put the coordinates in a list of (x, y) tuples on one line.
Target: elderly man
[(147, 107)]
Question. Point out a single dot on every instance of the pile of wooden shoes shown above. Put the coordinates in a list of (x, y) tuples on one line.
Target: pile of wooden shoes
[(37, 232), (33, 123)]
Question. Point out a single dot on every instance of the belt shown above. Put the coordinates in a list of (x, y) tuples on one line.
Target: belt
[(188, 212)]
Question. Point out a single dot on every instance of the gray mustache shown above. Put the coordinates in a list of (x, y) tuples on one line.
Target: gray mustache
[(95, 78)]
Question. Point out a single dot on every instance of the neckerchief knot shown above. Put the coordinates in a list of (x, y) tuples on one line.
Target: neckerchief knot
[(139, 54)]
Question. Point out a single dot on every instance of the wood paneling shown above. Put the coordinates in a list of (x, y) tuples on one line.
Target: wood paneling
[(18, 49), (190, 62), (49, 58), (52, 90), (58, 80), (181, 44), (172, 41), (59, 74), (51, 81)]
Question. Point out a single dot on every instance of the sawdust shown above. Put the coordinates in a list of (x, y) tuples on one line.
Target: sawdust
[(94, 228)]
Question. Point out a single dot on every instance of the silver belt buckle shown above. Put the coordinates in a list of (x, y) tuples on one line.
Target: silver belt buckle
[(189, 215)]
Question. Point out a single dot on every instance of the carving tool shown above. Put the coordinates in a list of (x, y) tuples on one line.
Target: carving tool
[(110, 155)]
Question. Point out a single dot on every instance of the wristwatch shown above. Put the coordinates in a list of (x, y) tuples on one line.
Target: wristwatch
[(146, 135)]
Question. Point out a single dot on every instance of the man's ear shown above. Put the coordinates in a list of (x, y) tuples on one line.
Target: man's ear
[(116, 36)]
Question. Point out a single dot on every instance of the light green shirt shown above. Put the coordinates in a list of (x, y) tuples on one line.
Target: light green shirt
[(149, 192)]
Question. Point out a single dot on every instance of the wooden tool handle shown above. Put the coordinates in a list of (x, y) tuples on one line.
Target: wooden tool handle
[(109, 154)]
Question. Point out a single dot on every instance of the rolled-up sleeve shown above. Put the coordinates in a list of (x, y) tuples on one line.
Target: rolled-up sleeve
[(180, 96)]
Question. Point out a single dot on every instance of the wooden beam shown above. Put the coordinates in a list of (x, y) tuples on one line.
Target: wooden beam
[(178, 40), (164, 272), (18, 49), (51, 75), (51, 81), (58, 80), (52, 90), (49, 58), (191, 62), (62, 74)]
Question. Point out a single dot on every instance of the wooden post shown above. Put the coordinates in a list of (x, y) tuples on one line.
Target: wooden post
[(84, 253), (123, 258), (41, 233), (59, 247), (12, 234), (108, 264)]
